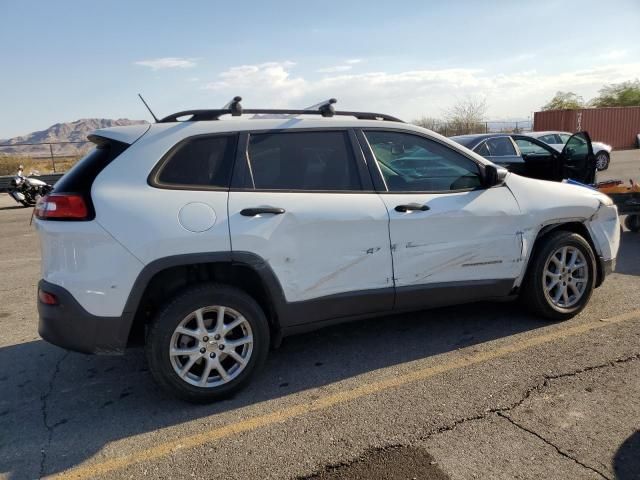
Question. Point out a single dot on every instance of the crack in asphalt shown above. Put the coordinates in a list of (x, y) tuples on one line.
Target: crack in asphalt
[(500, 411), (558, 449), (530, 391), (45, 417)]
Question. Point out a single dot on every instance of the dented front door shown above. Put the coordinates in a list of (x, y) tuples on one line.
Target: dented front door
[(462, 236), (444, 226)]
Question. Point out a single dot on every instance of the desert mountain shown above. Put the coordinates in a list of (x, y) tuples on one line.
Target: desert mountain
[(62, 132)]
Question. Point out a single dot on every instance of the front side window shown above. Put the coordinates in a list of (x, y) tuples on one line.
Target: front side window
[(410, 163), (501, 147), (321, 161), (199, 162), (564, 137)]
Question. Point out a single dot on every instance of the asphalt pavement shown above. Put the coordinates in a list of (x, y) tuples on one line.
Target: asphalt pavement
[(475, 391)]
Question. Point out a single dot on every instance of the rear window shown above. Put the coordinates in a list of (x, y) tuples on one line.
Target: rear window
[(198, 162), (81, 176), (322, 161)]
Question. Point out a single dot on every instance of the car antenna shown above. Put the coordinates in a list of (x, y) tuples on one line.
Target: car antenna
[(148, 108), (234, 106)]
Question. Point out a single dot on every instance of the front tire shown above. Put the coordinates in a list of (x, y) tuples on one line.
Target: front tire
[(602, 161), (207, 343), (561, 276), (632, 222)]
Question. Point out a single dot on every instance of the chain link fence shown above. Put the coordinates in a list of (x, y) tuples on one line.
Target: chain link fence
[(42, 157)]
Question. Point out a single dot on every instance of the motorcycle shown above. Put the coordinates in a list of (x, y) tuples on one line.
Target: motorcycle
[(26, 190)]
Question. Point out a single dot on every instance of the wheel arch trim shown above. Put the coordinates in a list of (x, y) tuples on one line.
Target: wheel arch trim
[(246, 259), (579, 224)]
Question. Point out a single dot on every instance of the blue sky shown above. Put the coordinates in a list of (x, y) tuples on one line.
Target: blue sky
[(66, 60)]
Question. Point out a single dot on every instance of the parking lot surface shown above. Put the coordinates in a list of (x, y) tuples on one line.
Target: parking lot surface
[(476, 391)]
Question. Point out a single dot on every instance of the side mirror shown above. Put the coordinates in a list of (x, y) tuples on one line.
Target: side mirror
[(494, 175)]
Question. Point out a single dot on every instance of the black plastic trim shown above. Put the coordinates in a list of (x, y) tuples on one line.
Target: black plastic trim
[(337, 306), (215, 114), (605, 268), (69, 325), (451, 293)]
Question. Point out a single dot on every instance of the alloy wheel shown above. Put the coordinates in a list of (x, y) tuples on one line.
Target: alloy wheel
[(566, 276), (211, 346), (601, 161)]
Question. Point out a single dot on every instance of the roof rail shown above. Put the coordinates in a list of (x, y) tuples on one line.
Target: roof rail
[(234, 108)]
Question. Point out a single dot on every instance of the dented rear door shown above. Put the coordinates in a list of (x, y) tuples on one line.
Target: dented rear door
[(303, 201)]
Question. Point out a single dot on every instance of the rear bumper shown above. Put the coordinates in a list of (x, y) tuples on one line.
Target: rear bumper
[(70, 326)]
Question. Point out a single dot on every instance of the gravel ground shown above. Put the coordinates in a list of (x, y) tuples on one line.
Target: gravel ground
[(477, 391)]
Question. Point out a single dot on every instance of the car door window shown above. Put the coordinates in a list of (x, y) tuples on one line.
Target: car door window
[(529, 148), (483, 150), (312, 161), (410, 163), (501, 147)]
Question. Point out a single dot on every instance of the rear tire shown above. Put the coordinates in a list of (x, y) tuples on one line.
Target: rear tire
[(547, 299), (219, 358)]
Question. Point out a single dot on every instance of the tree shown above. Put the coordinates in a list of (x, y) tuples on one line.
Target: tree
[(626, 94), (431, 123), (467, 116), (564, 101)]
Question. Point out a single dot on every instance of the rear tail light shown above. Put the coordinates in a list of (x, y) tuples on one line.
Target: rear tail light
[(47, 298), (62, 206)]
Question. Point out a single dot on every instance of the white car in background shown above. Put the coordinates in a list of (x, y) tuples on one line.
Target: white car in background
[(602, 151)]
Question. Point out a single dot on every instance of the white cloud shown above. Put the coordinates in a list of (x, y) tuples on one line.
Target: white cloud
[(353, 61), (167, 62), (413, 92), (334, 69), (614, 54), (273, 78)]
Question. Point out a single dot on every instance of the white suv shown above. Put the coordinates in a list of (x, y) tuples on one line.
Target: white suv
[(210, 239)]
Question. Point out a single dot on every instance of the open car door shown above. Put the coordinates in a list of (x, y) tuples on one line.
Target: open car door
[(578, 160)]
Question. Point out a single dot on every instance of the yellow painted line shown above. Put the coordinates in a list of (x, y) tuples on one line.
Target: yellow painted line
[(461, 361)]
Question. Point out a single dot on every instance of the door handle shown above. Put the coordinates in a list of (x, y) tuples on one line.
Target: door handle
[(252, 212), (410, 207)]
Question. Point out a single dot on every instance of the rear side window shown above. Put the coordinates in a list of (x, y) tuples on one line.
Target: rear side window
[(321, 161), (501, 147), (204, 162)]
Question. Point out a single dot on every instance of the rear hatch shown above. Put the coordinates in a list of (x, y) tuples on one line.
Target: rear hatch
[(71, 195)]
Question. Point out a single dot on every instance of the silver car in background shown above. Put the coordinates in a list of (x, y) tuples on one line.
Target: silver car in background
[(557, 140)]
